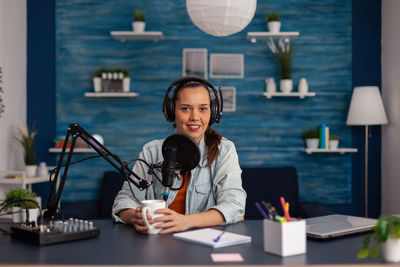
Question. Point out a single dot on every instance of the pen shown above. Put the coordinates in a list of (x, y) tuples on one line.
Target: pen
[(271, 210), (219, 237), (284, 209), (261, 210)]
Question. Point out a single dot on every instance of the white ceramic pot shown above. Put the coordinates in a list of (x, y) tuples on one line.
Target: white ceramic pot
[(97, 84), (286, 85), (333, 144), (30, 170), (33, 215), (138, 26), (270, 85), (391, 250), (274, 26), (312, 143), (16, 214), (303, 86), (126, 83)]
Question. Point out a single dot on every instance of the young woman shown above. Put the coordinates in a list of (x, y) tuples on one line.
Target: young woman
[(213, 192)]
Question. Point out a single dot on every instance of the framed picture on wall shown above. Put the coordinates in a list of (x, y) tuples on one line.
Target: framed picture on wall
[(227, 66), (194, 62), (229, 97)]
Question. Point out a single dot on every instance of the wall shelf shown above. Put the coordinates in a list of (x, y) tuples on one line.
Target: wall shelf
[(111, 94), (76, 150), (291, 94), (137, 36), (321, 150), (263, 36)]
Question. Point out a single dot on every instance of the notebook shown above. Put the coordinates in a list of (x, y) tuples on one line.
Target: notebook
[(336, 225), (207, 236)]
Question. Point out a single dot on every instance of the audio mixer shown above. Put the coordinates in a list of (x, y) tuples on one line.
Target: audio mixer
[(55, 232)]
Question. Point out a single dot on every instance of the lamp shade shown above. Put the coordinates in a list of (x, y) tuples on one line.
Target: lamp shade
[(366, 107), (221, 17)]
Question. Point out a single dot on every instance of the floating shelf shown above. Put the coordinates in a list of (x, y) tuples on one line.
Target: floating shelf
[(111, 94), (292, 94), (76, 150), (262, 36), (339, 150), (137, 36)]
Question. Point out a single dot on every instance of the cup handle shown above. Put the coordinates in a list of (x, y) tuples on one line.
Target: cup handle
[(144, 215)]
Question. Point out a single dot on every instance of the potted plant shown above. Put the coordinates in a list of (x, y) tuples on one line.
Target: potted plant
[(386, 233), (139, 24), (273, 22), (26, 139), (334, 142), (97, 80), (18, 199), (311, 138), (283, 53)]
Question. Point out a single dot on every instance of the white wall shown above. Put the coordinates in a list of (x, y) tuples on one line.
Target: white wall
[(391, 99), (13, 64)]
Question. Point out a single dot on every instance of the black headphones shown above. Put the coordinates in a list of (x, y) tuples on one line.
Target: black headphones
[(216, 104)]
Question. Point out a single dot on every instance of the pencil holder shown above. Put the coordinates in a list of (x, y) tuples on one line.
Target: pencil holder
[(285, 239)]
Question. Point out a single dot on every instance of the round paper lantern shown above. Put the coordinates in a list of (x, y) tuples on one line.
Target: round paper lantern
[(221, 17)]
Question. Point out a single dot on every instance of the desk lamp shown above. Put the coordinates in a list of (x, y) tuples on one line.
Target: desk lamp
[(366, 108)]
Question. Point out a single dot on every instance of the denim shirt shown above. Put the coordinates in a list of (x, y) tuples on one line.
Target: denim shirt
[(218, 186)]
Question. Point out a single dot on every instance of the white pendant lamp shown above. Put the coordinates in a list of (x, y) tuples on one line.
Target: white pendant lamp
[(221, 17)]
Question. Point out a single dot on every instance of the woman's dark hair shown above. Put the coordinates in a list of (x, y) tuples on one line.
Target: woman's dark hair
[(211, 137)]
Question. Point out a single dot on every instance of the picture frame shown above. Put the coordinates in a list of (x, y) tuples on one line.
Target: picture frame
[(229, 98), (227, 66), (194, 62)]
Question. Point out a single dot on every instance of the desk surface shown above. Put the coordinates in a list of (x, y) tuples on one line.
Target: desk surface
[(120, 245)]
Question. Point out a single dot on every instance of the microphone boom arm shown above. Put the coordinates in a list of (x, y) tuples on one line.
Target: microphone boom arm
[(77, 131)]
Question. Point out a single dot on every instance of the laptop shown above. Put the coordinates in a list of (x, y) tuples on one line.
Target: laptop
[(336, 225)]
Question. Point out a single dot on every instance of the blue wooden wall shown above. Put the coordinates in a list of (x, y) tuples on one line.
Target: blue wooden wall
[(266, 132)]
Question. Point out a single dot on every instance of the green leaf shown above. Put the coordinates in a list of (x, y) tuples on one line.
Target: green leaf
[(367, 240), (363, 254), (373, 253)]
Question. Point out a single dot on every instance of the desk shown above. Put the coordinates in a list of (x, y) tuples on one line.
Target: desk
[(119, 245)]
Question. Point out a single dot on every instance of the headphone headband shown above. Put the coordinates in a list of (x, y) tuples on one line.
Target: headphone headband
[(216, 104)]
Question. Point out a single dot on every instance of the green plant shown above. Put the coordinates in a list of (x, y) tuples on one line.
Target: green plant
[(334, 137), (125, 72), (272, 17), (139, 15), (310, 134), (284, 54), (1, 91), (386, 227), (15, 198), (26, 139)]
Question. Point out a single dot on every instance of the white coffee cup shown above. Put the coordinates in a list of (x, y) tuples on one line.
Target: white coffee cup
[(149, 207)]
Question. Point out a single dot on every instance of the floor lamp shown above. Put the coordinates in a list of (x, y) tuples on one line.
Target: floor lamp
[(366, 108)]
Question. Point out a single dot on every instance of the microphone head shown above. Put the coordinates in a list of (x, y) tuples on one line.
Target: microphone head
[(187, 151)]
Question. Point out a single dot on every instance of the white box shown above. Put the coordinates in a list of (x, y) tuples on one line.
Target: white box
[(285, 239)]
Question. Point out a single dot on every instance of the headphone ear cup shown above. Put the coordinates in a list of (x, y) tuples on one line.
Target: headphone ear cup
[(214, 112), (169, 109)]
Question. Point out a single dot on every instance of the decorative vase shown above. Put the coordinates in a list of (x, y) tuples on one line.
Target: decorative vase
[(274, 26), (303, 86), (97, 84), (126, 83), (333, 144), (42, 171), (30, 170), (391, 250), (312, 143), (33, 215), (16, 214), (138, 26), (286, 85), (270, 85)]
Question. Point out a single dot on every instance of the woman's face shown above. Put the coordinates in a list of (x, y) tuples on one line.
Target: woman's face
[(192, 112)]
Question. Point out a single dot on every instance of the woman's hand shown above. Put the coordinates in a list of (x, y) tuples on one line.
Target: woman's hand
[(134, 217), (172, 221)]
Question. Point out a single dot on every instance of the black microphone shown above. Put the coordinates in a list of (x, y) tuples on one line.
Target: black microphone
[(168, 169), (181, 154)]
